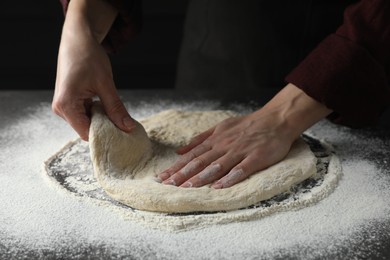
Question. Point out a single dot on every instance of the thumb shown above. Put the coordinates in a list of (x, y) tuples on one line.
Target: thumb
[(116, 111)]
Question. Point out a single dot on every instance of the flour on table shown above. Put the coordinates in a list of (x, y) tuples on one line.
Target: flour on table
[(67, 215)]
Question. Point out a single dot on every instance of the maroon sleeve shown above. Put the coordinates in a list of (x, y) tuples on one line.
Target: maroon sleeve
[(125, 27), (349, 71)]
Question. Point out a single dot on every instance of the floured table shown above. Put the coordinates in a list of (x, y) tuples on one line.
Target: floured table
[(37, 220)]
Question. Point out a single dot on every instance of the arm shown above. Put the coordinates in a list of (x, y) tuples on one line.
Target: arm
[(126, 25), (88, 19), (84, 69), (348, 73)]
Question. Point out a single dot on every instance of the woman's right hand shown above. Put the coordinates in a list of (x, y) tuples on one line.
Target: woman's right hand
[(83, 72)]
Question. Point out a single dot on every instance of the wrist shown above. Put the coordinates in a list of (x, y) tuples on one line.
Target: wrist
[(294, 111)]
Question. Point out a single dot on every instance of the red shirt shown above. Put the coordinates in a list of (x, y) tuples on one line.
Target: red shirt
[(349, 71)]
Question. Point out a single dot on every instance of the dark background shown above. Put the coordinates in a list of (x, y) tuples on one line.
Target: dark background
[(30, 36)]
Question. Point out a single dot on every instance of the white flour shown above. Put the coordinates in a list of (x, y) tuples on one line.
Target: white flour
[(71, 171), (38, 221)]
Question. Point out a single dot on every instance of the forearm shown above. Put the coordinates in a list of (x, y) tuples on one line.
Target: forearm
[(88, 19), (294, 111), (86, 24)]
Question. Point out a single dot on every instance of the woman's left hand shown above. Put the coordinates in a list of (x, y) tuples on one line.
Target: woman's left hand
[(230, 152), (238, 147)]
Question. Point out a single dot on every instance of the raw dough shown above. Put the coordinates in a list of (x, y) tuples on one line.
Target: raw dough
[(126, 165)]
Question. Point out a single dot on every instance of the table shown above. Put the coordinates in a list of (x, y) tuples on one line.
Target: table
[(38, 221)]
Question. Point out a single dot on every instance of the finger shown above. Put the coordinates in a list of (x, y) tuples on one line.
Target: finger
[(239, 173), (115, 110), (76, 115), (183, 160), (215, 171), (195, 141), (192, 168), (88, 105)]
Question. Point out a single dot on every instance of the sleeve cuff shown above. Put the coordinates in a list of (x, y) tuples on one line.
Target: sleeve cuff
[(347, 79), (126, 25)]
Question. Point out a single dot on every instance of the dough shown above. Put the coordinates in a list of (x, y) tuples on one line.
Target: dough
[(126, 165)]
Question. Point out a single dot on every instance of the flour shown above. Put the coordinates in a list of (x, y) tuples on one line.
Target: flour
[(38, 221), (71, 170), (126, 165)]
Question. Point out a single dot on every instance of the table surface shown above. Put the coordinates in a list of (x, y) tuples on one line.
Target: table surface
[(15, 105)]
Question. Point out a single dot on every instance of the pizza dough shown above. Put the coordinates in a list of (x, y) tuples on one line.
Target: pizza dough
[(126, 165)]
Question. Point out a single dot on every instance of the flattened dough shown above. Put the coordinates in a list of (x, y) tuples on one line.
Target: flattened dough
[(126, 165)]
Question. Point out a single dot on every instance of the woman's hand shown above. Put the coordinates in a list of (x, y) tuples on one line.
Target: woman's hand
[(238, 147), (84, 69), (229, 152)]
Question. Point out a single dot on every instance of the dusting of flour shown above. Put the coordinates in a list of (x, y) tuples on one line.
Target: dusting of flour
[(37, 221), (71, 170)]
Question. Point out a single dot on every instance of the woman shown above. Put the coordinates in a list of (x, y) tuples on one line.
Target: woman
[(231, 46)]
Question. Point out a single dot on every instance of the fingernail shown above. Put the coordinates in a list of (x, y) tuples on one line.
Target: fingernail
[(170, 182), (186, 185), (129, 123), (217, 185), (163, 176), (158, 179)]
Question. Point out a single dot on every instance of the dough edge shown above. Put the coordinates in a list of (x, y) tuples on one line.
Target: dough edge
[(149, 195)]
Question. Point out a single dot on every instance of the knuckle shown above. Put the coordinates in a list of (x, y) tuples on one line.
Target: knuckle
[(212, 171), (115, 107), (200, 149), (199, 163), (218, 167), (258, 152), (225, 142), (189, 156), (218, 150), (174, 177), (191, 168), (197, 150), (196, 139), (207, 143), (57, 106), (181, 161), (235, 175), (227, 122), (200, 138), (65, 104)]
